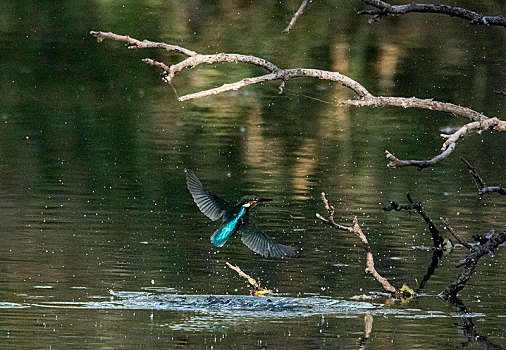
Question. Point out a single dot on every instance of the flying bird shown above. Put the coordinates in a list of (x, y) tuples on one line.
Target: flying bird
[(235, 219)]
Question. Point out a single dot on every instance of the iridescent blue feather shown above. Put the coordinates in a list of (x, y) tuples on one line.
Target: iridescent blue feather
[(221, 235)]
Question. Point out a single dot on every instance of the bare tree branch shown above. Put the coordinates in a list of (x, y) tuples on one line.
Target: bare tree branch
[(382, 8), (449, 145), (437, 239), (137, 44), (252, 282), (455, 234), (420, 164), (470, 263), (481, 125), (480, 183), (296, 16), (355, 228), (478, 120), (413, 102)]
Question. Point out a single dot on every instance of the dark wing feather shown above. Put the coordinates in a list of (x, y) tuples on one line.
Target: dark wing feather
[(209, 204), (262, 244)]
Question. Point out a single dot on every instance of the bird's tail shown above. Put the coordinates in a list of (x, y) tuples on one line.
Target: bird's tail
[(221, 235)]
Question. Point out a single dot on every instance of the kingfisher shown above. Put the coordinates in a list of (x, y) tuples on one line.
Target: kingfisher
[(235, 219)]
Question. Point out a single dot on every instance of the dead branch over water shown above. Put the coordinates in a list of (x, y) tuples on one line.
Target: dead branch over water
[(455, 234), (296, 16), (470, 263), (383, 8), (258, 289), (479, 121), (480, 183), (437, 239), (355, 229)]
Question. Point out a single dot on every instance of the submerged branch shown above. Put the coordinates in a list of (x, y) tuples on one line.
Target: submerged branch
[(383, 8), (364, 98)]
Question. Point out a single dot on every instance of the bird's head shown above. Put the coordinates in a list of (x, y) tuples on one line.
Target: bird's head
[(251, 201)]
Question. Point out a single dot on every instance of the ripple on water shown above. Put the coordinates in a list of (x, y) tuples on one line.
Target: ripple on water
[(218, 311)]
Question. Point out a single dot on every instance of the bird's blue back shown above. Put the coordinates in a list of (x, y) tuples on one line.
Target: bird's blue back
[(221, 235)]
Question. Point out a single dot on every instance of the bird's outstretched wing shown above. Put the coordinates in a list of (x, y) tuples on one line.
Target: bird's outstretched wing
[(259, 242), (209, 204)]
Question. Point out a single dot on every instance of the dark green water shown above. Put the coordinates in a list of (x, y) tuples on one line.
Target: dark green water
[(102, 245)]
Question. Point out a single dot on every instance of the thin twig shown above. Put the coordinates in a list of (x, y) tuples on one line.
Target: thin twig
[(383, 8), (449, 145), (137, 44), (296, 16), (480, 183), (420, 164), (437, 239), (470, 263), (284, 74), (254, 283), (455, 234)]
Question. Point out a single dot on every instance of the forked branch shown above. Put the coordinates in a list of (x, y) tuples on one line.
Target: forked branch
[(383, 8), (355, 229), (455, 234), (437, 239), (480, 183), (470, 263), (364, 98)]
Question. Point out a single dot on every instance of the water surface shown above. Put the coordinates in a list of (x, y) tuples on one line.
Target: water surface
[(102, 245)]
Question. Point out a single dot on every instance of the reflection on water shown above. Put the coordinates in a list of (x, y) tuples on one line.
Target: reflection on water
[(93, 196)]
